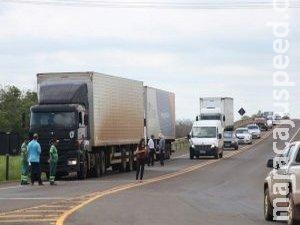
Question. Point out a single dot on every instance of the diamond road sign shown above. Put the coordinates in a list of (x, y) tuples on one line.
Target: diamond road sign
[(242, 111)]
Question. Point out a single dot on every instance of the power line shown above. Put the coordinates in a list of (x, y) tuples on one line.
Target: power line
[(155, 4)]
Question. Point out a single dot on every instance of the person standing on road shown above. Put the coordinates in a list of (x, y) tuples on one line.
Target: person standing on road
[(151, 153), (53, 160), (24, 163), (141, 155), (161, 147), (34, 152)]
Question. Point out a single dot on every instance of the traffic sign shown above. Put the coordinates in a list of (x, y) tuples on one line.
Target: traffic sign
[(242, 111)]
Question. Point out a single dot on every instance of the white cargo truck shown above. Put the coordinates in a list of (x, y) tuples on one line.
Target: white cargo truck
[(217, 108), (99, 120), (206, 137)]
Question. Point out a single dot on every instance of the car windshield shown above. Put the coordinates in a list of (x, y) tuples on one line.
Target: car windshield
[(204, 132), (228, 134), (64, 120), (242, 131)]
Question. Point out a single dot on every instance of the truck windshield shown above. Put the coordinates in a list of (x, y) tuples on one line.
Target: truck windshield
[(64, 120), (204, 132)]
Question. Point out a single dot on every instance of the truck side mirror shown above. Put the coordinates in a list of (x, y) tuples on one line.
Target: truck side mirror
[(220, 136), (188, 136), (197, 118), (224, 118), (86, 120)]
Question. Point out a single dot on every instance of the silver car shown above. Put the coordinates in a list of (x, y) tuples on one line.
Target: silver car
[(282, 186), (254, 130), (243, 135)]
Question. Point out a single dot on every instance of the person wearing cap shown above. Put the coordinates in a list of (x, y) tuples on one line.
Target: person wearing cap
[(161, 147), (34, 152), (24, 162), (53, 160)]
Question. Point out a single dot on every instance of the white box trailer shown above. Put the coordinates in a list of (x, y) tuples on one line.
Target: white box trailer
[(217, 108), (160, 115)]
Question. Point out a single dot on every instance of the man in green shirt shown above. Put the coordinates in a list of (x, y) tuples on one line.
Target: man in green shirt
[(53, 160), (24, 163)]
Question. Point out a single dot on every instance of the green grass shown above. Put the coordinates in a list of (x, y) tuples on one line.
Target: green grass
[(14, 168)]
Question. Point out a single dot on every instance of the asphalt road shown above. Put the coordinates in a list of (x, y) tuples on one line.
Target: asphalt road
[(228, 191)]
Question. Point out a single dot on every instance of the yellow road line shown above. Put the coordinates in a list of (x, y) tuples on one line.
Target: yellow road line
[(117, 189), (29, 220)]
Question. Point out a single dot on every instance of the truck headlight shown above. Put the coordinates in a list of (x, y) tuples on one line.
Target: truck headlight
[(72, 162), (193, 146), (213, 146)]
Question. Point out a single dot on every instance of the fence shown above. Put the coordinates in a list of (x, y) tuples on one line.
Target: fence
[(9, 167), (9, 143)]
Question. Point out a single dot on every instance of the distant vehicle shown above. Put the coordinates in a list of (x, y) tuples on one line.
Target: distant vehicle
[(230, 140), (277, 120), (254, 130), (103, 116), (206, 139), (289, 168), (262, 123), (268, 114), (243, 135), (217, 108)]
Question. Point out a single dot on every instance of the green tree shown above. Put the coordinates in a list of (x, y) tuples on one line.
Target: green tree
[(13, 104)]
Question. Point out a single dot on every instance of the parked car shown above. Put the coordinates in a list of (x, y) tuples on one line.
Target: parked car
[(230, 140), (243, 135), (254, 130), (288, 168)]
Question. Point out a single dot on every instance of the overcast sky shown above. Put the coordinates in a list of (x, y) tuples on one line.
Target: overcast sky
[(194, 53)]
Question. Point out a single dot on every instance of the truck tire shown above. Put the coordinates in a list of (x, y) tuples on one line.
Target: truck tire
[(122, 167), (236, 147), (129, 167), (97, 169), (268, 209), (192, 154), (48, 175), (83, 170), (102, 163), (217, 156)]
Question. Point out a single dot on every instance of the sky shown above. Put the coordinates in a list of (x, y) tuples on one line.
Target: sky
[(191, 52)]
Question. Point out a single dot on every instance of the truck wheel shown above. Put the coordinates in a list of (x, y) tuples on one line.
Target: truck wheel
[(48, 175), (130, 163), (122, 167), (236, 147), (268, 209), (217, 156), (82, 173), (97, 166), (191, 154), (102, 163)]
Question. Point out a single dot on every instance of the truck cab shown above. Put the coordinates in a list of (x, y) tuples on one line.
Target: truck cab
[(206, 139), (64, 120)]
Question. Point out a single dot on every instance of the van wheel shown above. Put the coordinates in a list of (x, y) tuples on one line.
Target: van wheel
[(221, 155), (268, 209), (217, 156)]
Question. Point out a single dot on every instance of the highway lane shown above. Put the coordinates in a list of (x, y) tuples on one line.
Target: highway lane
[(54, 201), (228, 192)]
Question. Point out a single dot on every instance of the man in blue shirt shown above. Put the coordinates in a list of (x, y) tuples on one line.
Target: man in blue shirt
[(34, 152)]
